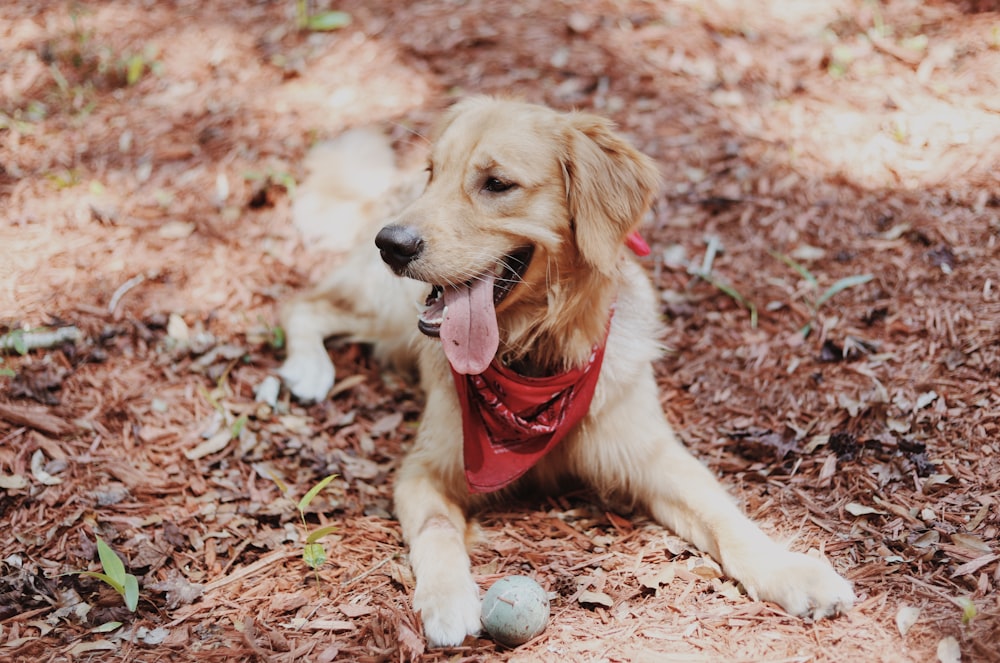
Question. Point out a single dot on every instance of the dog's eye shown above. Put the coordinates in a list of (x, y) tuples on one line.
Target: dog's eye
[(493, 185)]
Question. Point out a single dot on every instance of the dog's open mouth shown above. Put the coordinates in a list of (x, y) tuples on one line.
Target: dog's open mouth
[(464, 316)]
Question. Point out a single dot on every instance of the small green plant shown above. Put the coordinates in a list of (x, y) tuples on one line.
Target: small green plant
[(816, 303), (319, 22), (278, 177), (704, 272), (14, 340), (313, 552), (115, 576), (969, 610)]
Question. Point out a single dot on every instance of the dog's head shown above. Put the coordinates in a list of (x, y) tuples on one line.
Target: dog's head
[(525, 214)]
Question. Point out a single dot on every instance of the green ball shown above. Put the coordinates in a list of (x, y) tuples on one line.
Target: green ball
[(515, 610)]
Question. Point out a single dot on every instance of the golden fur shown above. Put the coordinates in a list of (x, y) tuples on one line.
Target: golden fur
[(578, 190)]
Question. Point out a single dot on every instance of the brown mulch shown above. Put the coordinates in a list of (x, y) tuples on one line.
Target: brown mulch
[(148, 154)]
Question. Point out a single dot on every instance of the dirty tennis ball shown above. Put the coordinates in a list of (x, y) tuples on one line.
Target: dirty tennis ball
[(515, 610)]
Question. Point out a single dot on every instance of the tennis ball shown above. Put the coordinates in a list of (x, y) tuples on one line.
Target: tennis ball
[(515, 610)]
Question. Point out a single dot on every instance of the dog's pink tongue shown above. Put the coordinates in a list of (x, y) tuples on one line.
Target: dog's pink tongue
[(469, 331)]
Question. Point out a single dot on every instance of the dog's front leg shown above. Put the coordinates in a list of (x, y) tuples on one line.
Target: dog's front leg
[(434, 525), (682, 494)]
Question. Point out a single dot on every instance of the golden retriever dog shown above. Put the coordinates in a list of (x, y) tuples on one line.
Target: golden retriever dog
[(534, 335)]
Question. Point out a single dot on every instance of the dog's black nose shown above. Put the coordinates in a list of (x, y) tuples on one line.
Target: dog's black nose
[(399, 245)]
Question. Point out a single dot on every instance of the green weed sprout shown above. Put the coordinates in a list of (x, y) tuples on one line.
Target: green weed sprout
[(313, 552), (704, 272), (115, 576), (321, 22), (816, 303)]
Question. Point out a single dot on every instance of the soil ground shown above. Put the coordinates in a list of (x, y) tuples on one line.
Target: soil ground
[(148, 155)]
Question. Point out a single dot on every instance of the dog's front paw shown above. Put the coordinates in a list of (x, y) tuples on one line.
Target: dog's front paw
[(449, 608), (308, 375), (804, 586)]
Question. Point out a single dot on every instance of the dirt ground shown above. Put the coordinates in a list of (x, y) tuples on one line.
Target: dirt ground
[(148, 158)]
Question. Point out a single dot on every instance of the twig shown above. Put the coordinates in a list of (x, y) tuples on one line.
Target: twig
[(368, 572), (262, 563), (122, 290), (22, 341)]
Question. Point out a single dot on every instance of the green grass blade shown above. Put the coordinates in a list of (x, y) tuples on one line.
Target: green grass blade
[(318, 534), (237, 427), (732, 293), (797, 266), (333, 20), (282, 486), (131, 592), (841, 285), (104, 577), (111, 564), (314, 491)]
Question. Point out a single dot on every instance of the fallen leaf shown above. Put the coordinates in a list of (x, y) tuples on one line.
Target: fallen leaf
[(595, 598), (179, 590), (948, 650), (929, 538), (856, 509), (728, 590), (386, 424), (177, 329), (906, 617), (925, 399), (38, 471), (13, 481), (970, 542), (106, 627), (175, 230), (216, 443), (653, 578), (84, 647)]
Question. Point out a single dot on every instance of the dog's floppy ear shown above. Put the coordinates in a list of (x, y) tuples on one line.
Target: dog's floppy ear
[(609, 186)]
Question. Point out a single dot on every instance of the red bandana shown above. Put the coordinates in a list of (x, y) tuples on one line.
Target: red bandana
[(510, 421)]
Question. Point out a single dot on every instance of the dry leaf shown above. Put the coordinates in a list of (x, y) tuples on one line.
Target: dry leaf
[(97, 645), (216, 443), (38, 471), (925, 399), (175, 230), (653, 578), (595, 598), (177, 329), (179, 590), (906, 617), (970, 542), (948, 650), (13, 481), (856, 509), (727, 589), (386, 424)]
